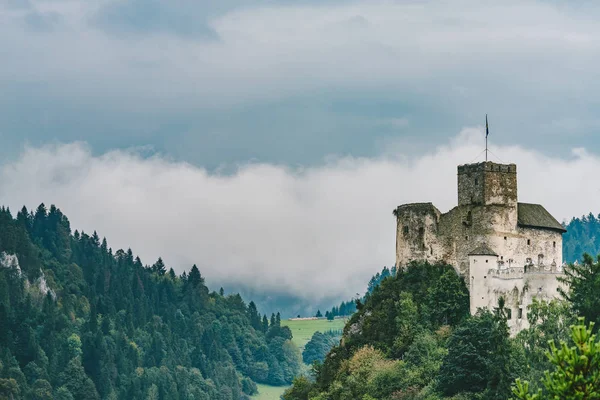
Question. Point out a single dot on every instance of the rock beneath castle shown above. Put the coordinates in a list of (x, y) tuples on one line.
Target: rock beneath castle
[(501, 247)]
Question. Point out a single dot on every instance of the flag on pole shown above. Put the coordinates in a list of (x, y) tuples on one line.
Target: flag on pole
[(487, 131)]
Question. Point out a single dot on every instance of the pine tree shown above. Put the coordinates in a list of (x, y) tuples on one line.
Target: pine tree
[(576, 372), (195, 279), (254, 316), (159, 267)]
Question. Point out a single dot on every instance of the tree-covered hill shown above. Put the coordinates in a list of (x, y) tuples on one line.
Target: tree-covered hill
[(413, 338), (582, 236), (79, 321)]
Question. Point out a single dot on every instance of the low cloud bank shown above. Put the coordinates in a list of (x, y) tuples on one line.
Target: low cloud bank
[(318, 232)]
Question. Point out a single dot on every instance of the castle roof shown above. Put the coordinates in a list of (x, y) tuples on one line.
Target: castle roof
[(483, 250), (536, 216)]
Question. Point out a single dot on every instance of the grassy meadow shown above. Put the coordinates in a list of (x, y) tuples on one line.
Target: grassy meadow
[(266, 392), (302, 331)]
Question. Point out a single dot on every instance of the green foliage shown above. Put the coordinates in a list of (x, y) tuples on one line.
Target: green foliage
[(582, 236), (299, 390), (548, 321), (576, 373), (113, 328), (394, 345), (481, 358), (401, 306), (583, 281), (347, 308), (319, 345)]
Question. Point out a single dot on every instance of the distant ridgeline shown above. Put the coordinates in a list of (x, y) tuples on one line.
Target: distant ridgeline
[(78, 321), (582, 236), (347, 308)]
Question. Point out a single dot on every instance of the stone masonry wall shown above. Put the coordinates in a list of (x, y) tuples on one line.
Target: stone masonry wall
[(528, 259), (487, 183), (517, 287)]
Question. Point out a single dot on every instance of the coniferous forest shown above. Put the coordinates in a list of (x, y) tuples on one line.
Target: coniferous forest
[(79, 321), (582, 236)]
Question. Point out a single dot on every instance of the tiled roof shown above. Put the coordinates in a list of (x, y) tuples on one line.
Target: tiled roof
[(536, 216)]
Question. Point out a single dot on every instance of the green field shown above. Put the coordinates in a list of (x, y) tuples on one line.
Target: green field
[(302, 332), (266, 392)]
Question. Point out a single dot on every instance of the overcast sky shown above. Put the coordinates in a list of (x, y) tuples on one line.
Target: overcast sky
[(275, 137)]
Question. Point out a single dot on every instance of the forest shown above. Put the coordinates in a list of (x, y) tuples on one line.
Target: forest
[(413, 338), (582, 236), (79, 321)]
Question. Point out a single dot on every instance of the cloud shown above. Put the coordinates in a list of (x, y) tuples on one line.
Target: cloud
[(184, 75), (314, 232)]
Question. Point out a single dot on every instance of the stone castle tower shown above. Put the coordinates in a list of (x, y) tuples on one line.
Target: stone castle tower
[(501, 247)]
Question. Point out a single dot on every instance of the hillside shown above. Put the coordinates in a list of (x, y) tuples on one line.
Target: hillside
[(413, 338), (582, 236), (79, 321)]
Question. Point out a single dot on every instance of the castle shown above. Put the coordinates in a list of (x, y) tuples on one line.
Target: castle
[(501, 247)]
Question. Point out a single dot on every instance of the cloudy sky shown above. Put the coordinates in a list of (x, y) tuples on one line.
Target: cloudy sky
[(273, 138)]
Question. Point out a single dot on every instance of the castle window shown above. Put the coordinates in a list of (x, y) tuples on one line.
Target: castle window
[(505, 238), (486, 260), (476, 181), (508, 313), (528, 242), (485, 276), (554, 244), (501, 257), (405, 230), (466, 238), (520, 315)]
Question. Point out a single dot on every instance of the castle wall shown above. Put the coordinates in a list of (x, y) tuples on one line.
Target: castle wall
[(490, 281), (451, 236), (487, 183), (417, 235), (523, 246), (526, 262)]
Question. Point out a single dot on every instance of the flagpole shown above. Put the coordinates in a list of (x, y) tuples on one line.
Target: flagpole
[(486, 140)]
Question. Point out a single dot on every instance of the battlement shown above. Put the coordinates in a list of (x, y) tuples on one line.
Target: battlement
[(487, 166), (502, 272), (507, 273), (416, 208)]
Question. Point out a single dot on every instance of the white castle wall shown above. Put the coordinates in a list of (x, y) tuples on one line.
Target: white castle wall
[(518, 285)]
